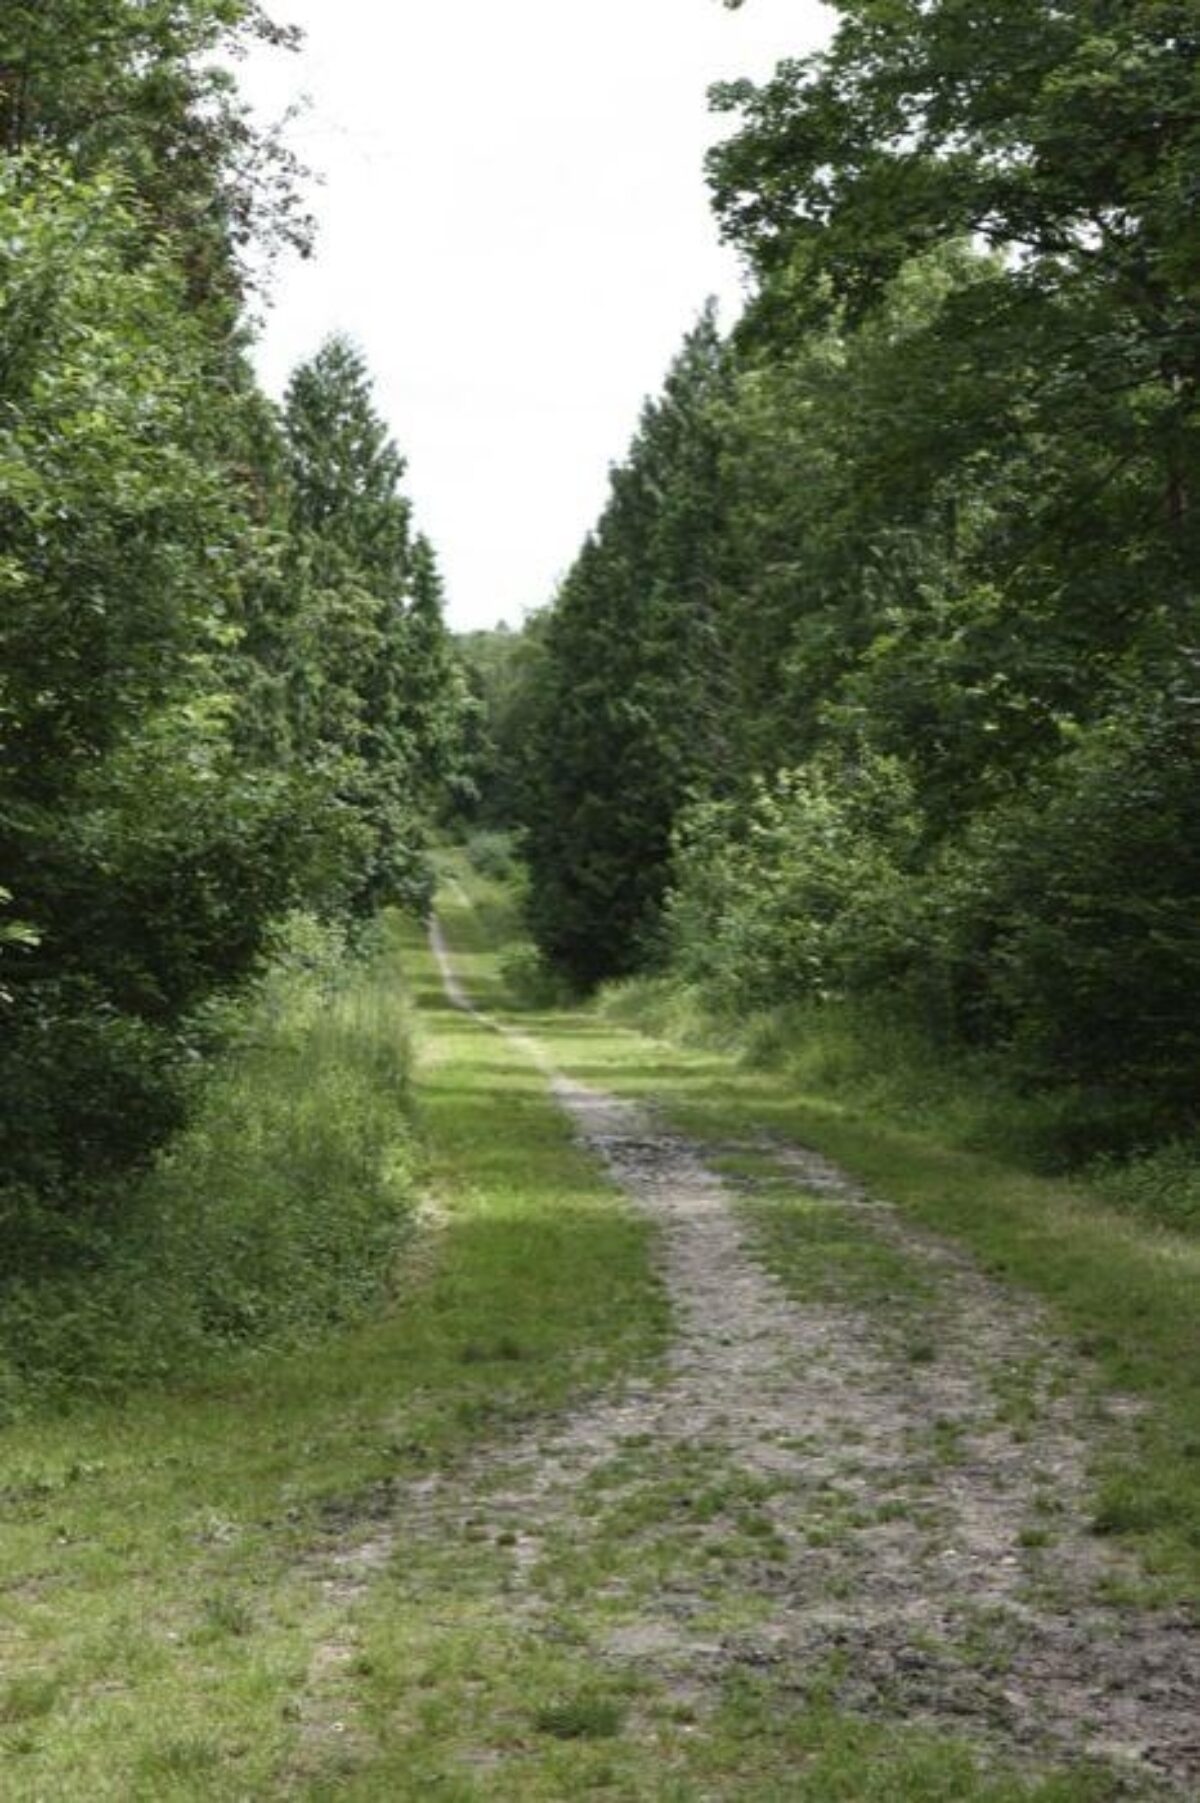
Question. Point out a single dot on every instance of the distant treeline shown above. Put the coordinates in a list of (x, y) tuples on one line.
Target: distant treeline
[(226, 690), (878, 679)]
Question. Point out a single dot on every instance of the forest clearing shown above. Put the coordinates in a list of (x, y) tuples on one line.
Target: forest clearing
[(680, 1466)]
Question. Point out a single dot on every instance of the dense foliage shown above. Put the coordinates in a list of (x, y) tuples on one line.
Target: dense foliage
[(628, 684), (226, 690), (878, 676), (275, 1212)]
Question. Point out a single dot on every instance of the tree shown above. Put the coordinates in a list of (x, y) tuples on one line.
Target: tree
[(147, 92), (629, 710), (147, 857), (375, 696), (431, 697), (1063, 137), (876, 658), (503, 678)]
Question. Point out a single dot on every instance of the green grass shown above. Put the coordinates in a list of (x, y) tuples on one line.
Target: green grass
[(170, 1627), (468, 1691), (587, 1716), (469, 1686), (867, 1055), (822, 1250), (1125, 1291), (279, 1210), (1160, 1186), (159, 1623)]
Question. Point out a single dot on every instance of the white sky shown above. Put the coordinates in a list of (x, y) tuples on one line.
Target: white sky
[(514, 227)]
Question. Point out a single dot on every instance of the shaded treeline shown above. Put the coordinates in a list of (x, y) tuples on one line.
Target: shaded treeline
[(875, 684), (226, 692)]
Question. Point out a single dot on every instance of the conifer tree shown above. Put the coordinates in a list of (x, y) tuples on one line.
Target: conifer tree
[(630, 716), (373, 683)]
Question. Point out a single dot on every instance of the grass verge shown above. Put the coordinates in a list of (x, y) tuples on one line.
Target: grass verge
[(165, 1605), (277, 1212), (1126, 1290)]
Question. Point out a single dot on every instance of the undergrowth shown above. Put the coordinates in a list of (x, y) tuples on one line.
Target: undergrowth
[(880, 1065), (1161, 1185), (174, 1562), (492, 854), (274, 1213)]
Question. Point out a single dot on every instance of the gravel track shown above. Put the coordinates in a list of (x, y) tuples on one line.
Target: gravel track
[(904, 1507)]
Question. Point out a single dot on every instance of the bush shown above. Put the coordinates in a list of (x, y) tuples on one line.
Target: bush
[(803, 893), (1055, 937), (493, 855), (276, 1212), (1065, 928), (533, 983), (1161, 1186)]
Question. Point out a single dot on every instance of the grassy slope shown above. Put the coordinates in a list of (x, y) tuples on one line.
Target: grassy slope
[(158, 1623)]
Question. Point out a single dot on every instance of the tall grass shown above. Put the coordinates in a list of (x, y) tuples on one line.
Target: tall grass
[(1162, 1185), (846, 1051), (882, 1066), (278, 1210)]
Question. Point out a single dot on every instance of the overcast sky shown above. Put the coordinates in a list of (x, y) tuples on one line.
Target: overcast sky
[(514, 227)]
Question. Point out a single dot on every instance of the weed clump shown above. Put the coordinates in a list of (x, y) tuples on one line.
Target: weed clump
[(585, 1717), (493, 854)]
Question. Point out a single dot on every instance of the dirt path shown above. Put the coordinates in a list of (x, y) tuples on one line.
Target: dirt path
[(801, 1496)]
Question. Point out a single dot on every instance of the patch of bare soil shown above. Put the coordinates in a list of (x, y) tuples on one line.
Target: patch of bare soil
[(930, 1546)]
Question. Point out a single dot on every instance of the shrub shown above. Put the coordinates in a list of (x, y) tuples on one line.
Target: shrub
[(802, 893), (1065, 928), (493, 855), (1162, 1185), (275, 1212)]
